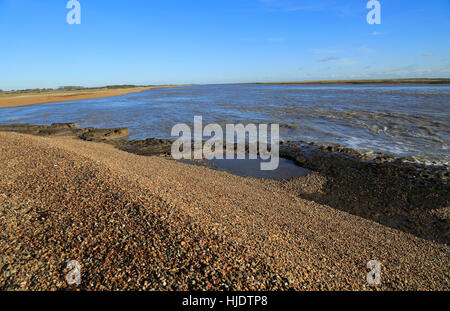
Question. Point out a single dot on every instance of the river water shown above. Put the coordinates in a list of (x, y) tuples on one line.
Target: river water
[(404, 120)]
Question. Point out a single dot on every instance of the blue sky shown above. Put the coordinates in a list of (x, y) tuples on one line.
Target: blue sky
[(219, 41)]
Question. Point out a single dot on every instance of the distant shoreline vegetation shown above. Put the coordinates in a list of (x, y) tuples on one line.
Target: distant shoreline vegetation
[(370, 81)]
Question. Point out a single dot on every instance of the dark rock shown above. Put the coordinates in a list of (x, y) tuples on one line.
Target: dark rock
[(105, 134), (64, 125)]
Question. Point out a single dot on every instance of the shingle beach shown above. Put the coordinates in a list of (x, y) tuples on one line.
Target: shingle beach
[(150, 223)]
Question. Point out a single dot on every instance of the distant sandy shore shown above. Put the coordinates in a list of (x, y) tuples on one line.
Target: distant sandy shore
[(53, 96)]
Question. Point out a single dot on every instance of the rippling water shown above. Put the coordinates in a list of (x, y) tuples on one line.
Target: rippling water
[(406, 120)]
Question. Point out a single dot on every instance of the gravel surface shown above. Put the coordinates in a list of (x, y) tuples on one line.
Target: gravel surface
[(149, 223)]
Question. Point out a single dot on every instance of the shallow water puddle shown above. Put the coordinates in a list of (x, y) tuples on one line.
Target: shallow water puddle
[(287, 169)]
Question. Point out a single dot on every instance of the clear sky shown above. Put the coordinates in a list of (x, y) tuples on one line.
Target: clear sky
[(219, 41)]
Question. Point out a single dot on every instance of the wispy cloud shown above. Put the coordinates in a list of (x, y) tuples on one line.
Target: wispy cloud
[(327, 59), (410, 70), (327, 51), (276, 39), (427, 54), (348, 62), (291, 6), (377, 33), (365, 50), (261, 40), (335, 6)]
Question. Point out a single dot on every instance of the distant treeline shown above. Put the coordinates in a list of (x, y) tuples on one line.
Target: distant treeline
[(125, 86), (71, 88), (27, 91)]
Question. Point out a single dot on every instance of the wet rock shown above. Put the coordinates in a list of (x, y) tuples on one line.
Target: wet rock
[(44, 130), (105, 134), (377, 186), (64, 125)]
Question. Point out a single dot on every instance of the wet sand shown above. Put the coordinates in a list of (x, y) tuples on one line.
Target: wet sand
[(147, 222), (53, 96)]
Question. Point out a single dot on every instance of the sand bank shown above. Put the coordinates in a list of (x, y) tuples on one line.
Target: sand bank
[(26, 99)]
